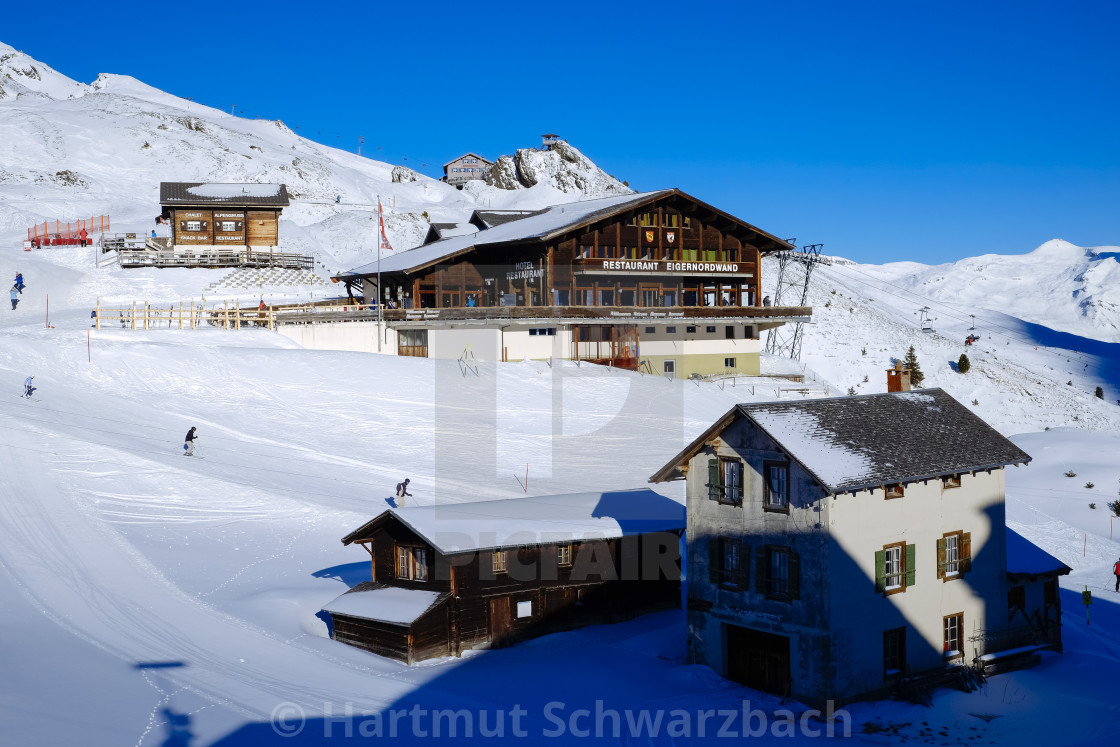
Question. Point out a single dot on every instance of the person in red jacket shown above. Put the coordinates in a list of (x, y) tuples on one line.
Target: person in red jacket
[(1116, 572), (83, 235)]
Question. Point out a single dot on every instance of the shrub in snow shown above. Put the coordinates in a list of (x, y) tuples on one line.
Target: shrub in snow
[(1092, 505), (851, 391), (962, 364), (976, 402), (1090, 485), (1071, 473), (1099, 393), (863, 351), (865, 379), (1115, 506)]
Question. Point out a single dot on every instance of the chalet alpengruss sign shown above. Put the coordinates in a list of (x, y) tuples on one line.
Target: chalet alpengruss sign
[(658, 267)]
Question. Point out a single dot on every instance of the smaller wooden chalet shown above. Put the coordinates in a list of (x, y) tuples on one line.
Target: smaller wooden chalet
[(486, 574), (223, 215), (1034, 606)]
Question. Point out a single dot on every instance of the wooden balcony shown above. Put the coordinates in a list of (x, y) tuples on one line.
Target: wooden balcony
[(341, 312)]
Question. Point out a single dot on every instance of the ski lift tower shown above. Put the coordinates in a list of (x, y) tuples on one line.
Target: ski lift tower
[(794, 270)]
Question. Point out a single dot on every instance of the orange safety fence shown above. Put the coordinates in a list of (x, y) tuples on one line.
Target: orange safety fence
[(51, 232)]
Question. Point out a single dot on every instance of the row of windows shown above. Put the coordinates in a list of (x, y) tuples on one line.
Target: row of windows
[(725, 481), (666, 220), (777, 569), (466, 171), (542, 331), (728, 331), (896, 564), (897, 490), (412, 562), (499, 559), (894, 644)]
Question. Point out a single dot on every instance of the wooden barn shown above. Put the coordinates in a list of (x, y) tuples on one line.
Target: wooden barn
[(223, 215), (449, 578)]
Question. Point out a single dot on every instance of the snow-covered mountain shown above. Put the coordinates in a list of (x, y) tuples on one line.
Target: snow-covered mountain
[(73, 150), (1065, 287)]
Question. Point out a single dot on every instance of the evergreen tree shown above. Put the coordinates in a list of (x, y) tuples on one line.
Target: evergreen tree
[(963, 364), (911, 362), (1099, 393)]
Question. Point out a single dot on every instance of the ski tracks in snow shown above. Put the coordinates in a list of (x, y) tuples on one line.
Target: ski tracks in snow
[(85, 576)]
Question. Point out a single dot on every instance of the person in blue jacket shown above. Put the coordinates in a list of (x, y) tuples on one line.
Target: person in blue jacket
[(14, 293)]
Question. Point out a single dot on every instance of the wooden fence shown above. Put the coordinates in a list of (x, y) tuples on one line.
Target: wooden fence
[(182, 316)]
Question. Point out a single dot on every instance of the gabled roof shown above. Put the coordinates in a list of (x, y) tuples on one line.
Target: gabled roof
[(855, 443), (535, 520), (390, 604), (437, 231), (202, 193), (1024, 558), (491, 218), (467, 155), (543, 226)]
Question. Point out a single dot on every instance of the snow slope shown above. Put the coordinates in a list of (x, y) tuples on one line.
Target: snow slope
[(69, 150)]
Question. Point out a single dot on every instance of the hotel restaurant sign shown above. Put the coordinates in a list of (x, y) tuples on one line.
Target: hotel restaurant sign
[(657, 267)]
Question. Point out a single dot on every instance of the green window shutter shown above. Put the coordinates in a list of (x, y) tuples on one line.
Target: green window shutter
[(715, 559), (713, 479), (794, 575), (743, 574), (910, 564), (966, 552), (760, 570), (941, 558), (880, 570)]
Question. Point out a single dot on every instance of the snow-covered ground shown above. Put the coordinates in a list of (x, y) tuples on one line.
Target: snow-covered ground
[(153, 599)]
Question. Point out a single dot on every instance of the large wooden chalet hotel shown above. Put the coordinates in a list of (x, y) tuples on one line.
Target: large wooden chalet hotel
[(659, 281)]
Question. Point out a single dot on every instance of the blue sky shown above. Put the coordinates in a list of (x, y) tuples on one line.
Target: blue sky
[(926, 131)]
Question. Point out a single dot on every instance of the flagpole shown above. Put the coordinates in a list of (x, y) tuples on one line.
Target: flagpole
[(380, 293)]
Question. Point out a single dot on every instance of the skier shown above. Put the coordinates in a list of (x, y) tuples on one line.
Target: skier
[(83, 235), (1116, 572), (15, 297), (19, 282), (28, 387), (402, 491), (188, 442)]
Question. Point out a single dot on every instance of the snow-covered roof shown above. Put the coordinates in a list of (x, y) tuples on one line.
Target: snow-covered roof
[(853, 443), (544, 225), (202, 193), (389, 604), (534, 520), (540, 226), (1026, 558)]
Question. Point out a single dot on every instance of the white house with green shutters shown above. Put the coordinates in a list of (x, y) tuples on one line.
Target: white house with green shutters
[(840, 547)]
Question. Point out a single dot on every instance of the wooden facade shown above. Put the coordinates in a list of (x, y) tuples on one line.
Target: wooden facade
[(597, 265), (220, 215), (497, 596)]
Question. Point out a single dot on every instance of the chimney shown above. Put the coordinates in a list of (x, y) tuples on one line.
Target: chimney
[(898, 379)]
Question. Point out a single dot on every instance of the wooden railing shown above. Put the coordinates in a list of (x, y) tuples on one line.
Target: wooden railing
[(182, 316), (357, 311), (207, 257), (143, 315)]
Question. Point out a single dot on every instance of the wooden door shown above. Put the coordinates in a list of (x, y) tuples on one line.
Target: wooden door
[(499, 622), (759, 660)]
